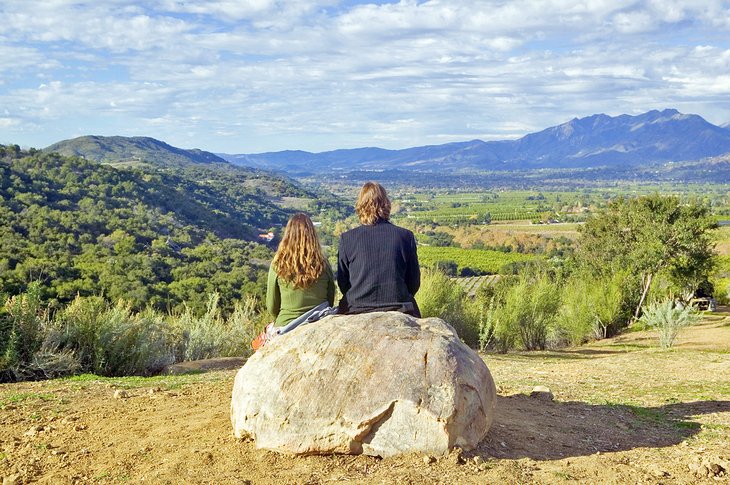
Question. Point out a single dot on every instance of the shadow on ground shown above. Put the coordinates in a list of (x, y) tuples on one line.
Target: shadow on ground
[(528, 427)]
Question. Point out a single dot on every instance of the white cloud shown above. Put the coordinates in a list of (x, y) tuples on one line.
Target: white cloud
[(324, 74)]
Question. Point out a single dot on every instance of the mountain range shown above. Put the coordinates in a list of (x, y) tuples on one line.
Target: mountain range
[(600, 140), (618, 147)]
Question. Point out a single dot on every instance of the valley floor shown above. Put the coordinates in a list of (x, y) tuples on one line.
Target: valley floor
[(624, 412)]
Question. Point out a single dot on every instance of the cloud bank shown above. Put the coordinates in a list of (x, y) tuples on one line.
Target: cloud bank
[(263, 75)]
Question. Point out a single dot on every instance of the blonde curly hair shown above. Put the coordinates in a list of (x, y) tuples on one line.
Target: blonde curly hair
[(299, 259), (372, 204)]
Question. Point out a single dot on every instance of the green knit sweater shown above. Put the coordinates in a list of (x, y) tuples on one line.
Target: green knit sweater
[(287, 303)]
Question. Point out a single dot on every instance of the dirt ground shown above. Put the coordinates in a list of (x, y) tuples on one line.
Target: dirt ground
[(624, 412)]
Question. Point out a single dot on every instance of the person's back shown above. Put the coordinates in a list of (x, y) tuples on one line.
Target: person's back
[(287, 302), (300, 277), (377, 263)]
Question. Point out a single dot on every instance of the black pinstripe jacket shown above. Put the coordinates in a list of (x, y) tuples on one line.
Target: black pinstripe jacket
[(377, 269)]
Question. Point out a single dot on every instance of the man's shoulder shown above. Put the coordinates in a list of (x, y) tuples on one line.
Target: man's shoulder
[(350, 233), (378, 228), (402, 231)]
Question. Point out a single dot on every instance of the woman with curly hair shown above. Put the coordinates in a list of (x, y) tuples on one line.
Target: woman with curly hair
[(300, 281)]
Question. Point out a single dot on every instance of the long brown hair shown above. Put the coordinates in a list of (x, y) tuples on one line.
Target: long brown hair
[(299, 259), (372, 204)]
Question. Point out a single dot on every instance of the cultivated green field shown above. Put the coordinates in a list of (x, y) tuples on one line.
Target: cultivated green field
[(450, 207), (481, 260)]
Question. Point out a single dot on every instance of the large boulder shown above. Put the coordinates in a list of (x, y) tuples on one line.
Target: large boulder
[(380, 383)]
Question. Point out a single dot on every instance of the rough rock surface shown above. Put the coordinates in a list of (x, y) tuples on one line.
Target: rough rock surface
[(379, 383)]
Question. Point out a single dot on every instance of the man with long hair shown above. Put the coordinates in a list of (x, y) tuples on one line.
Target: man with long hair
[(377, 262)]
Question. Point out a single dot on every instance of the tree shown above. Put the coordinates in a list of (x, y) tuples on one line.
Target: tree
[(646, 236)]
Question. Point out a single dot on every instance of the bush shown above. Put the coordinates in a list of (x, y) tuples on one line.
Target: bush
[(526, 312), (448, 268), (22, 328), (76, 329), (51, 364), (135, 344), (487, 325), (439, 296), (211, 336), (668, 319), (722, 291), (591, 308), (90, 335)]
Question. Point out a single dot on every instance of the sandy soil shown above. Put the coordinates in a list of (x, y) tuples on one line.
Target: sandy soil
[(624, 412)]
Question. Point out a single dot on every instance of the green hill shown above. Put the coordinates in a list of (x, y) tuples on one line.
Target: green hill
[(131, 150), (150, 236)]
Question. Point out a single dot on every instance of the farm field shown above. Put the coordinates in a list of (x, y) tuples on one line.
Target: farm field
[(623, 412), (471, 284), (482, 260), (452, 207)]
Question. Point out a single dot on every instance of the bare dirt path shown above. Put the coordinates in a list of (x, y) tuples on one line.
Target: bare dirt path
[(624, 412)]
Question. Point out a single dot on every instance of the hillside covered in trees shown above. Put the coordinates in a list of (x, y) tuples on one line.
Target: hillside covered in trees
[(151, 235)]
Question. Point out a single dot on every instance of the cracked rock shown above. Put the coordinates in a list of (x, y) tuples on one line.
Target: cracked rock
[(380, 384)]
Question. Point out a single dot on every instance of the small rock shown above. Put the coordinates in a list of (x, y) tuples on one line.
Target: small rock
[(427, 460), (455, 457), (79, 427), (542, 392), (34, 431), (698, 469), (715, 469), (658, 472), (11, 480), (478, 460), (120, 394), (707, 468)]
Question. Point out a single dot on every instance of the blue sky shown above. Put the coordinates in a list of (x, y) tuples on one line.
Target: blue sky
[(247, 76)]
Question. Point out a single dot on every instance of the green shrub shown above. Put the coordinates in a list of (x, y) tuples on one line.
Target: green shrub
[(591, 308), (668, 319), (576, 317), (209, 335), (439, 296), (134, 344), (487, 325), (24, 322), (526, 312), (76, 329), (90, 335), (243, 325)]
